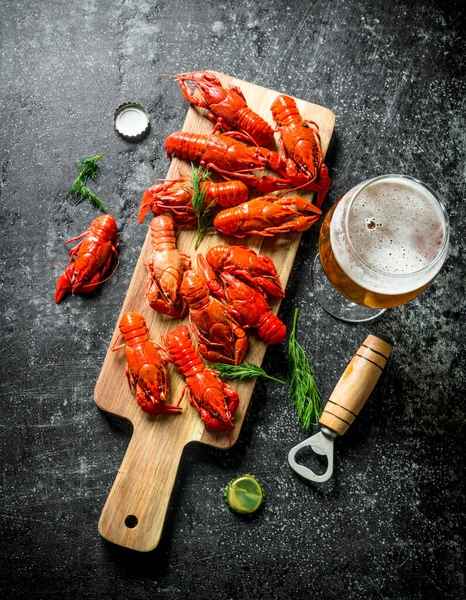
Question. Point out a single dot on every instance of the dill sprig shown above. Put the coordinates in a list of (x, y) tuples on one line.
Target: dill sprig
[(243, 371), (79, 189), (89, 167), (302, 383), (204, 215)]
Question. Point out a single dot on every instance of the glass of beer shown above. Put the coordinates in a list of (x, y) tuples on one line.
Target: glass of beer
[(380, 246)]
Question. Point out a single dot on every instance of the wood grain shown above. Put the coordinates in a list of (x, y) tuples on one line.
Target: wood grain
[(355, 385), (135, 510)]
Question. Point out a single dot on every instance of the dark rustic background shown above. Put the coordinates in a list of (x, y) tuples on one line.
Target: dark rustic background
[(390, 524)]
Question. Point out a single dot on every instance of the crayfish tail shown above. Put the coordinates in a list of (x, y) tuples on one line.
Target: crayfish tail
[(256, 127), (285, 111), (270, 329)]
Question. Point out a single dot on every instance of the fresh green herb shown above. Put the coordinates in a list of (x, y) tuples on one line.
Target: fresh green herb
[(303, 387), (204, 215), (89, 167), (79, 189), (243, 371)]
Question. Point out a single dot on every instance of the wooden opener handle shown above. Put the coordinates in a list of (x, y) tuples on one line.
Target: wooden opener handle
[(355, 385)]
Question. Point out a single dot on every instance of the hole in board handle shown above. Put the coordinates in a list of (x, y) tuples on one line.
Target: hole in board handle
[(131, 521)]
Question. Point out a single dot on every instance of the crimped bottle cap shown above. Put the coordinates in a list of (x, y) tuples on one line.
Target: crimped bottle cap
[(131, 120), (244, 494)]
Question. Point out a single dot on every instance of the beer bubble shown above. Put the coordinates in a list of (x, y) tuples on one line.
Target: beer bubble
[(396, 216), (390, 238)]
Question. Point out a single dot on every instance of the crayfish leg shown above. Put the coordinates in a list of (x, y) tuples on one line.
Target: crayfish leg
[(115, 348), (78, 237), (218, 122), (130, 377), (183, 391)]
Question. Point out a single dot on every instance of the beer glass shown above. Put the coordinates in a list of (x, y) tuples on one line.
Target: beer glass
[(380, 246)]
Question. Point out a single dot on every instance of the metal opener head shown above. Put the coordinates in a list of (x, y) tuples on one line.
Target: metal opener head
[(322, 444), (347, 399)]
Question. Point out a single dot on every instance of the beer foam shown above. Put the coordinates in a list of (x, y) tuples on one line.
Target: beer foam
[(397, 227)]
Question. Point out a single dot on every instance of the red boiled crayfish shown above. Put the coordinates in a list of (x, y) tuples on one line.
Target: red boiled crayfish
[(300, 148), (91, 259), (220, 337), (227, 106), (145, 369), (220, 153), (232, 159), (267, 216), (215, 401), (166, 267), (229, 157), (257, 270), (175, 197), (245, 303)]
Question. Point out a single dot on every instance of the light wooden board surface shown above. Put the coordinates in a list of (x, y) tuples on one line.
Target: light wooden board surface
[(145, 480)]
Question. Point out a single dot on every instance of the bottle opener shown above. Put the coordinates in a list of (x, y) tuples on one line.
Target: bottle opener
[(343, 406)]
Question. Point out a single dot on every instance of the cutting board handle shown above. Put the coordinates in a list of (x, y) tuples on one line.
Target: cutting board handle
[(135, 509), (355, 385)]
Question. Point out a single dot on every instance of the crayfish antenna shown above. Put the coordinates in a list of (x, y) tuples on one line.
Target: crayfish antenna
[(115, 348), (241, 135), (291, 190), (143, 210), (111, 274), (57, 262)]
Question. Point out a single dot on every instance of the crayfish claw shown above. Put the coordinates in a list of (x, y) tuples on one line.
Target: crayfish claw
[(63, 287)]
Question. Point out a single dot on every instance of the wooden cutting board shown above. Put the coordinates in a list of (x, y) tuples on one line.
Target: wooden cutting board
[(135, 510)]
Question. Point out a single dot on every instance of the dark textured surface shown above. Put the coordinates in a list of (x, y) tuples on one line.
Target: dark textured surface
[(390, 524)]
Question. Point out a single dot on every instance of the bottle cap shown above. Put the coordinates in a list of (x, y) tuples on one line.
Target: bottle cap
[(244, 494), (131, 120)]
